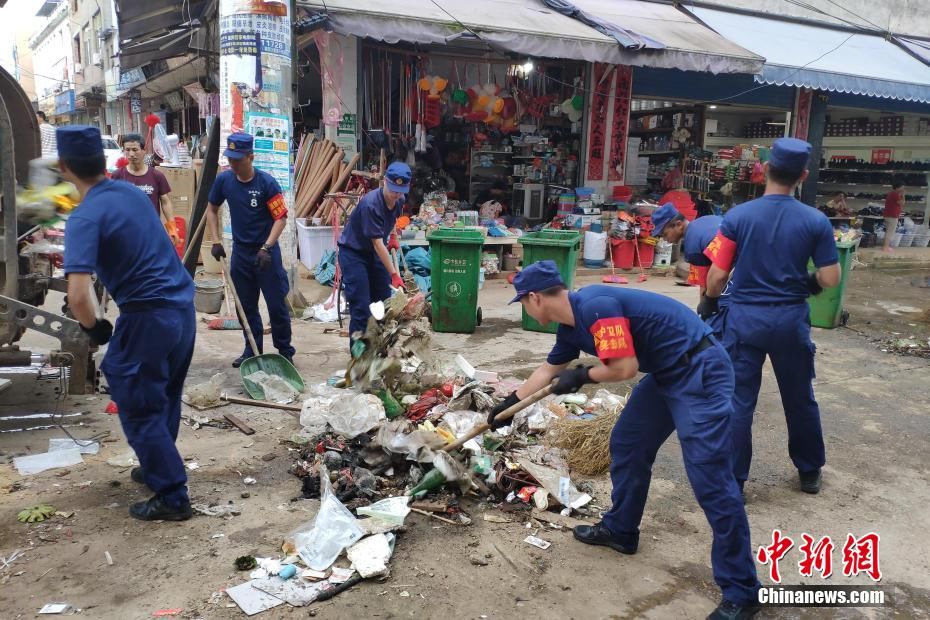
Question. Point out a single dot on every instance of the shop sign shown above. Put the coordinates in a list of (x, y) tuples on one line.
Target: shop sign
[(623, 91), (272, 140), (347, 135), (135, 102), (597, 134), (802, 113), (882, 156), (130, 78), (64, 102)]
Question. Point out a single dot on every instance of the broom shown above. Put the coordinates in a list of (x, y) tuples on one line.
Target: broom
[(587, 442), (613, 278), (642, 272), (229, 321)]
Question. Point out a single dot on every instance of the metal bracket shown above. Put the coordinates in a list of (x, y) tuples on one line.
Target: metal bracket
[(68, 331)]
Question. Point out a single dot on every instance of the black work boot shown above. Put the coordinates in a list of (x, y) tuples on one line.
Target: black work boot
[(238, 361), (137, 475), (731, 611), (598, 534), (810, 481), (155, 509)]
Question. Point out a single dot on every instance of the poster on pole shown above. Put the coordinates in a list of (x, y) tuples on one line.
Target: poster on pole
[(272, 137)]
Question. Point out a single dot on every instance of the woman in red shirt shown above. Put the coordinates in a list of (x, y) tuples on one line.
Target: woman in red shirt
[(893, 203)]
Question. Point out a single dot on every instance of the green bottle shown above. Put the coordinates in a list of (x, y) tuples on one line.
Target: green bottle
[(392, 408), (433, 479)]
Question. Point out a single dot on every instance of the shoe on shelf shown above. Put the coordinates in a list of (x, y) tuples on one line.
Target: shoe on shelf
[(155, 509), (810, 481), (731, 611), (598, 534)]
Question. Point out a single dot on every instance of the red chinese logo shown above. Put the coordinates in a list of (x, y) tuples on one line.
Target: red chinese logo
[(817, 557), (861, 556), (774, 552)]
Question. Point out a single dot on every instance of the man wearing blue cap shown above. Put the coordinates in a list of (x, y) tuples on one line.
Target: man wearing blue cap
[(768, 243), (368, 273), (688, 389), (110, 234), (258, 214), (695, 237)]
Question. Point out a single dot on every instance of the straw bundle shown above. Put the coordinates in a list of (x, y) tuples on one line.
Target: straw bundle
[(586, 442)]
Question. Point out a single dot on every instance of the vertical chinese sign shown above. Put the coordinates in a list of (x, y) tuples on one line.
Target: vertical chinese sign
[(802, 113), (623, 91), (597, 134), (255, 88)]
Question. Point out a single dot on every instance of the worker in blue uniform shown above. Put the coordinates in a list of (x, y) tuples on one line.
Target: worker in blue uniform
[(694, 236), (110, 234), (258, 214), (764, 246), (688, 389), (368, 273)]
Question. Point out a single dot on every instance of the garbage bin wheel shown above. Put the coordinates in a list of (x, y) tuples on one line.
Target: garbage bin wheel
[(844, 317), (478, 317)]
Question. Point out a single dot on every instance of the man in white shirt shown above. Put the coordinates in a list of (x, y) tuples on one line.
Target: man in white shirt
[(47, 133)]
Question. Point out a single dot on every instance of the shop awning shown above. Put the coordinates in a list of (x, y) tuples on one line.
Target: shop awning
[(157, 29), (659, 35), (918, 47), (824, 58)]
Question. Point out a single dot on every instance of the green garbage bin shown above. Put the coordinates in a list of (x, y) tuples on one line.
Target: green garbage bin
[(455, 263), (561, 246), (827, 307)]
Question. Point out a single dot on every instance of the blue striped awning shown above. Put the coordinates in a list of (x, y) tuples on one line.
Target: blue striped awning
[(824, 58)]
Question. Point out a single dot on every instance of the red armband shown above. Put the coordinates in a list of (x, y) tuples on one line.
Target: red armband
[(721, 251), (277, 207), (698, 275), (612, 338)]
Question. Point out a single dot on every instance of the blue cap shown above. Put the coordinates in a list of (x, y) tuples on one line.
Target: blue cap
[(398, 177), (537, 277), (662, 216), (78, 141), (238, 145), (790, 155)]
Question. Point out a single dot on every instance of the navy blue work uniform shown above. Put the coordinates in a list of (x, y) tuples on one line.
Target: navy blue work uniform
[(768, 242), (363, 275), (698, 235), (254, 207), (688, 389), (110, 234)]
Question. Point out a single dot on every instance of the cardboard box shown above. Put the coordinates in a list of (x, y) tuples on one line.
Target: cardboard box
[(183, 182)]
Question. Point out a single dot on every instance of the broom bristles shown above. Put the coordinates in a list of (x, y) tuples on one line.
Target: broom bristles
[(586, 442)]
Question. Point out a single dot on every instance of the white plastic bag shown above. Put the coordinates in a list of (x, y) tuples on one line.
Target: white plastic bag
[(333, 529), (316, 407), (356, 415), (391, 510)]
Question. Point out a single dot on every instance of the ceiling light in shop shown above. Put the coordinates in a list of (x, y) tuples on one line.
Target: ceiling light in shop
[(711, 107), (527, 66)]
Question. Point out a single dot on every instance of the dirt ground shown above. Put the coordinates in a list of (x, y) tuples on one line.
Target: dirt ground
[(875, 418)]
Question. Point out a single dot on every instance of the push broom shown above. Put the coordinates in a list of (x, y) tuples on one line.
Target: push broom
[(613, 278)]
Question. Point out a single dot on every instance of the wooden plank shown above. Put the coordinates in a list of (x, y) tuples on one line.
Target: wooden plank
[(242, 426)]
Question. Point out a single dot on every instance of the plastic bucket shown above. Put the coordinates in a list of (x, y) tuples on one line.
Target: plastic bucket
[(622, 251), (208, 296), (646, 254)]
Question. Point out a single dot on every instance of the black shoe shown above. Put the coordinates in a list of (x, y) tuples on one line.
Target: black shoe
[(238, 361), (731, 611), (598, 534), (289, 358), (137, 475), (155, 509), (810, 481)]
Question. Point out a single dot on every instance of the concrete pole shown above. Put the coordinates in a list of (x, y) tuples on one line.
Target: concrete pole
[(255, 92)]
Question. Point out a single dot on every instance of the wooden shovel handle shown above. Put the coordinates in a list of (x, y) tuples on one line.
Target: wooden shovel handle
[(242, 318), (506, 414)]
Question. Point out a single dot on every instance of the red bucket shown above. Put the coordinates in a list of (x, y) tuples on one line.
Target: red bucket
[(623, 193), (646, 254), (622, 251)]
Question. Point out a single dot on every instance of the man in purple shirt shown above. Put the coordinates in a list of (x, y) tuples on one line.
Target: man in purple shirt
[(150, 180)]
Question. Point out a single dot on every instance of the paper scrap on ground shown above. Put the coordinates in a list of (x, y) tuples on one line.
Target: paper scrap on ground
[(251, 600), (54, 608), (537, 542), (291, 591), (225, 510), (66, 443), (36, 463)]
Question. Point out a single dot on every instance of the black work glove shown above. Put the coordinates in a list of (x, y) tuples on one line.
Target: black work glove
[(505, 404), (813, 286), (218, 251), (263, 260), (100, 333), (708, 307), (571, 380)]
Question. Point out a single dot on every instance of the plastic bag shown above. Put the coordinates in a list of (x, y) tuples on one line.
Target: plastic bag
[(276, 389), (205, 395), (313, 415), (391, 510), (333, 529), (461, 422), (353, 416)]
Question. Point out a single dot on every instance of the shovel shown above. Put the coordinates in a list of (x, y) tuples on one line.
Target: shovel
[(272, 363)]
